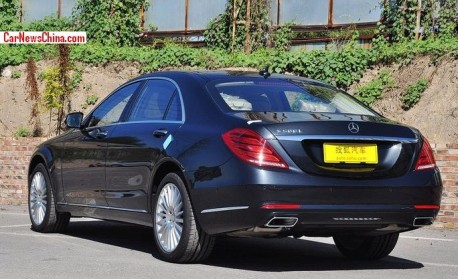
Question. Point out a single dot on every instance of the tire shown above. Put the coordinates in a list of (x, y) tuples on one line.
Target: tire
[(177, 235), (42, 208), (366, 247)]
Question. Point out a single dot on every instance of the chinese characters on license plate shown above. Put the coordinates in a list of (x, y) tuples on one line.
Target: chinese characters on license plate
[(350, 153)]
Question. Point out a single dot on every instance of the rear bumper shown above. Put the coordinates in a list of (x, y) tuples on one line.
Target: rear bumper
[(320, 220), (233, 202)]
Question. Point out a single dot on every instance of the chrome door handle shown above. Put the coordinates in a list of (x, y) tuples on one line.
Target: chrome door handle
[(101, 134), (160, 133)]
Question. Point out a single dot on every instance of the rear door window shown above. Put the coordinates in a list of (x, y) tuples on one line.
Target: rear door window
[(158, 100)]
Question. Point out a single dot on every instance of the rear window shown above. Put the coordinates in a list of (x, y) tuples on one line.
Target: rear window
[(283, 96)]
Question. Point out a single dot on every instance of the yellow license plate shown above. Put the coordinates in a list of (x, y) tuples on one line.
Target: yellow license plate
[(350, 153)]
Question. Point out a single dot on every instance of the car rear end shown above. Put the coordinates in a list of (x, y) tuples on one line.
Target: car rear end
[(313, 161)]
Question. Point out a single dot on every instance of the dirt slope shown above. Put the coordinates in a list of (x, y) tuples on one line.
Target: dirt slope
[(436, 115), (15, 108)]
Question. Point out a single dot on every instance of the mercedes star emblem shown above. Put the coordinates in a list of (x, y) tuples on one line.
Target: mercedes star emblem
[(353, 127)]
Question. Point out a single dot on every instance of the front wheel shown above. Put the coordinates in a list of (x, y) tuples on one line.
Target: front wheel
[(42, 210), (366, 247), (177, 235)]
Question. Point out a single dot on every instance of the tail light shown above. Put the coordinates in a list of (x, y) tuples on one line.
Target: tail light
[(426, 206), (281, 206), (252, 148), (425, 160)]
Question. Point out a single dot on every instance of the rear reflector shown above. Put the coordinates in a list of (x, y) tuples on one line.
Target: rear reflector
[(280, 206), (252, 148), (426, 206), (425, 160)]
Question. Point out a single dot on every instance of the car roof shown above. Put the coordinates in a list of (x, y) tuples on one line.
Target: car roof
[(210, 75)]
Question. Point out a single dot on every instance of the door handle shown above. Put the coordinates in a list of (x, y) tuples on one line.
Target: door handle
[(101, 134), (160, 133)]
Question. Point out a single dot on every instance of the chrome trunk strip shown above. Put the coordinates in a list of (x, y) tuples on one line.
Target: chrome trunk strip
[(351, 138)]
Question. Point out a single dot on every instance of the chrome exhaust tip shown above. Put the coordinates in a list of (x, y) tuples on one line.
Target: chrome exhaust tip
[(282, 222), (423, 221)]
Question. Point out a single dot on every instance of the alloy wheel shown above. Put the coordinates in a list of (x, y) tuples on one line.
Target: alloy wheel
[(38, 198), (169, 217)]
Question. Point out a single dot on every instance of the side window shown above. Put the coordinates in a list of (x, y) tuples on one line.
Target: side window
[(111, 109), (158, 100), (174, 111)]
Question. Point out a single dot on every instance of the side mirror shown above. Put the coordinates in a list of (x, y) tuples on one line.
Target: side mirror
[(74, 120)]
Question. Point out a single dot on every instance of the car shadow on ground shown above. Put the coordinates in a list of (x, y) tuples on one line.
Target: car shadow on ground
[(255, 254), (289, 254)]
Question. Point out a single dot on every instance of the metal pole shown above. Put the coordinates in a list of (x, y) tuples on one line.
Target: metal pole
[(186, 17), (417, 31), (234, 19), (59, 8), (248, 27), (331, 13)]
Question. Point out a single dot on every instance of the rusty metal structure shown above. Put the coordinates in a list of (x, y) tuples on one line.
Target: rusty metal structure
[(187, 19)]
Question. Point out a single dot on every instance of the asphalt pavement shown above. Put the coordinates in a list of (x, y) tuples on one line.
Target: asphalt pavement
[(100, 249)]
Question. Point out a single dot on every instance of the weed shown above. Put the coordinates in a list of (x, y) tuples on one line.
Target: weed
[(413, 93)]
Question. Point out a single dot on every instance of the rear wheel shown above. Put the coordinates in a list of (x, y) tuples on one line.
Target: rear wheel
[(366, 247), (177, 235), (42, 209)]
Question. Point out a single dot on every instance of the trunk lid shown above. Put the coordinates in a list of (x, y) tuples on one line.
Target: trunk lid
[(343, 145)]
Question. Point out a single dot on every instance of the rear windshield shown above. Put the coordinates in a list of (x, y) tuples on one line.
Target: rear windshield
[(283, 96)]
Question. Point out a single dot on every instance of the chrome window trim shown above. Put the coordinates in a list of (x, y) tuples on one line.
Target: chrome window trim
[(183, 114), (183, 111)]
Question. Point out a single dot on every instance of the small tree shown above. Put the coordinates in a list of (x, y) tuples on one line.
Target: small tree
[(57, 88), (31, 86)]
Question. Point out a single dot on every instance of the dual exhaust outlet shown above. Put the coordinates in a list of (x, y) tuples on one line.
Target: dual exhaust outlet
[(282, 222), (423, 221)]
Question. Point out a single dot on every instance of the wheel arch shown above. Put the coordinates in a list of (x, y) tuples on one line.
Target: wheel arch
[(43, 156), (36, 159), (163, 167)]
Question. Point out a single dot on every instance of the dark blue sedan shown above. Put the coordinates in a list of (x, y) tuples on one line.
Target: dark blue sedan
[(197, 155)]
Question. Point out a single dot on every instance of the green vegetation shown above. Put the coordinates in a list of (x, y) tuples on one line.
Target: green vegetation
[(373, 90), (9, 12), (16, 74), (53, 89), (57, 87), (113, 22), (90, 101), (243, 32), (341, 68), (413, 93), (22, 133), (281, 38), (75, 80)]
